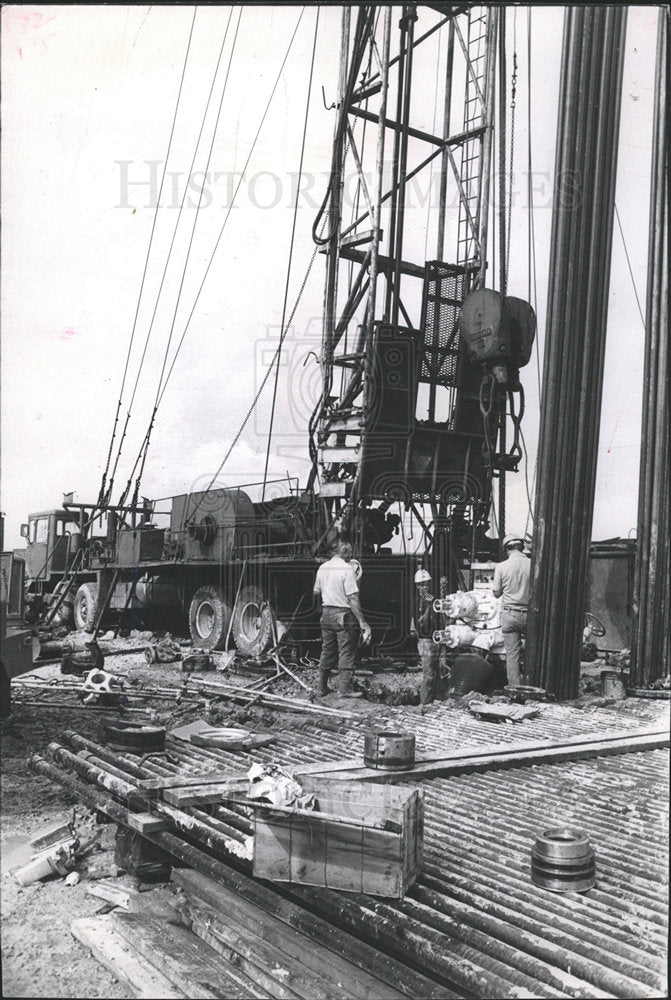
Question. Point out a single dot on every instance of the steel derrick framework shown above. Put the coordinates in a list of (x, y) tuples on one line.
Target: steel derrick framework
[(404, 229)]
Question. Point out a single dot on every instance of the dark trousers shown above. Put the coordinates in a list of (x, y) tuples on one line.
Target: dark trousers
[(429, 651), (340, 635)]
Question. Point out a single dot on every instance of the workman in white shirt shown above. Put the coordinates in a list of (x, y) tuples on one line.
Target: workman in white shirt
[(511, 583), (341, 618)]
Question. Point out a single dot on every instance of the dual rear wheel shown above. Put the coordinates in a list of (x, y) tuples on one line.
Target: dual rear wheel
[(210, 620)]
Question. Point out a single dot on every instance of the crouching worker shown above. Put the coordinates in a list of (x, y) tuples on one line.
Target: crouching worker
[(423, 626), (341, 619)]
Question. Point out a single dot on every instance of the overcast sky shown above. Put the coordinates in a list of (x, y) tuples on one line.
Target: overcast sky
[(88, 97)]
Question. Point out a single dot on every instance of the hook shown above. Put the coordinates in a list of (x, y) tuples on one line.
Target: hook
[(329, 107)]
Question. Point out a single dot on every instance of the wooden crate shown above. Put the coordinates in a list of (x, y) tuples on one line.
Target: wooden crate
[(361, 838)]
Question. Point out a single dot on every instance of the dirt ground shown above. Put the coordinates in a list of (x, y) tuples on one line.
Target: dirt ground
[(40, 957)]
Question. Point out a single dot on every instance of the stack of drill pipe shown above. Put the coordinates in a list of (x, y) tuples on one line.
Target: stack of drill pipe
[(474, 920), (124, 767), (651, 646), (582, 227)]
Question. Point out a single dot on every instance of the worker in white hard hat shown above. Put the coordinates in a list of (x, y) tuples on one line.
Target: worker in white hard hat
[(423, 626), (511, 583)]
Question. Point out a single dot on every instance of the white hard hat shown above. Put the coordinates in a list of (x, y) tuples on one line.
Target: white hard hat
[(511, 538), (422, 576)]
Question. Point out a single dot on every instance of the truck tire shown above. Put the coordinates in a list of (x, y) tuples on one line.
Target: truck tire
[(209, 618), (85, 607), (252, 622)]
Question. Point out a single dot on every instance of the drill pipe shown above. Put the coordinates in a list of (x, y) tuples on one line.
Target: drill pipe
[(588, 126)]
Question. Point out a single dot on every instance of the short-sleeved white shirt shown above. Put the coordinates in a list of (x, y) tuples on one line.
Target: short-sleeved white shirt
[(336, 582)]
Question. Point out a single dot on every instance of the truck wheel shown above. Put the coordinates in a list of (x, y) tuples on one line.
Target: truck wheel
[(209, 617), (252, 622), (86, 607)]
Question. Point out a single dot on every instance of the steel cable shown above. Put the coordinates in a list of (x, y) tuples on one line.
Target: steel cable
[(276, 360), (104, 490)]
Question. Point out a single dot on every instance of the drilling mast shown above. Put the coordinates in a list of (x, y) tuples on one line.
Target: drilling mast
[(400, 417)]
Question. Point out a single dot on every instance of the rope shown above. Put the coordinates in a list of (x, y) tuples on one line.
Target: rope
[(291, 253), (104, 493)]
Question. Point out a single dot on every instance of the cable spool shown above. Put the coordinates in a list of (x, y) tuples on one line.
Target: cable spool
[(389, 751), (131, 737), (562, 860)]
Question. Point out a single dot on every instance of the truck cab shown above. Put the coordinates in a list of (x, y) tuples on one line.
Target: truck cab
[(52, 539)]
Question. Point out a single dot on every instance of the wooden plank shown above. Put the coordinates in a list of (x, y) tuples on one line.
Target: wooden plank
[(268, 966), (110, 893), (382, 864), (343, 454), (272, 848), (344, 857), (189, 963), (344, 979), (148, 823), (339, 817), (500, 756), (308, 860), (137, 974)]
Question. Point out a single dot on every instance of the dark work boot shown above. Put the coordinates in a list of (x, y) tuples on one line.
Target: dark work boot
[(323, 689)]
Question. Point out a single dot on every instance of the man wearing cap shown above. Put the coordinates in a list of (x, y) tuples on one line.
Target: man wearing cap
[(511, 584), (423, 626), (337, 584)]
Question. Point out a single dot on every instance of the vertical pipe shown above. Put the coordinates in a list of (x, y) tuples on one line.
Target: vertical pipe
[(582, 226), (486, 145), (394, 171), (444, 164), (650, 645), (333, 258), (379, 176), (408, 23)]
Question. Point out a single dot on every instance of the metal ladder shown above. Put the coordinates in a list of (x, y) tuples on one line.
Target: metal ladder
[(471, 150)]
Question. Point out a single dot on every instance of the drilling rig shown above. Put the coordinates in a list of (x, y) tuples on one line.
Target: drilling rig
[(420, 358)]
